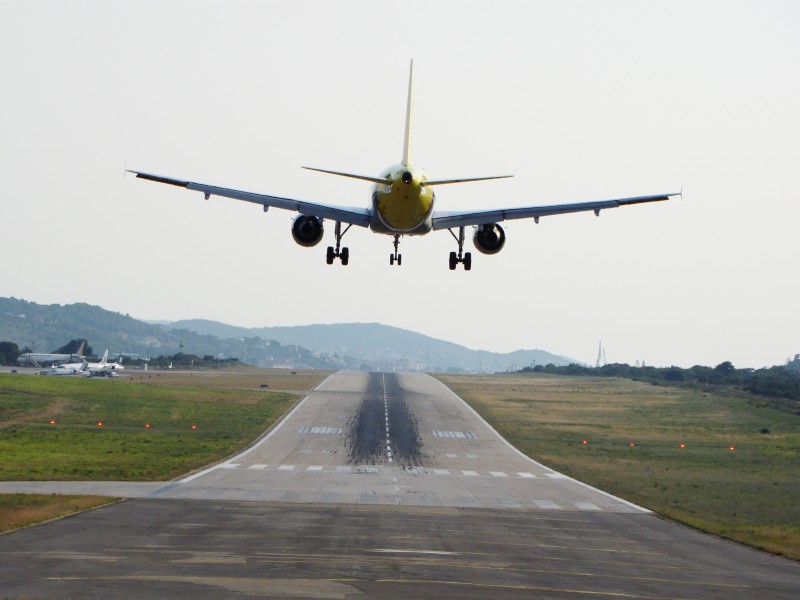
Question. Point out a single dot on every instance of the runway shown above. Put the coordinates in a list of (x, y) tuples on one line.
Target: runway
[(376, 485)]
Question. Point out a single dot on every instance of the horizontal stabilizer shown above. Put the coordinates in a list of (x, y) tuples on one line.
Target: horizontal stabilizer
[(448, 181), (351, 175)]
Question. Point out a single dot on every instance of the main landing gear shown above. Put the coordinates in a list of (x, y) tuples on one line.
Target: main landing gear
[(461, 257), (344, 253), (396, 258)]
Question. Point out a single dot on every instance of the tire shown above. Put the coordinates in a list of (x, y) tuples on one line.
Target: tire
[(330, 255), (468, 261), (399, 259), (345, 256), (453, 261), (391, 259)]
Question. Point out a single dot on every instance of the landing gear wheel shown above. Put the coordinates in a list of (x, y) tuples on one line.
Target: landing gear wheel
[(453, 261), (467, 261), (334, 253), (396, 257)]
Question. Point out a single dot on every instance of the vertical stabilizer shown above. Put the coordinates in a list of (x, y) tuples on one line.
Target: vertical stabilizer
[(407, 143)]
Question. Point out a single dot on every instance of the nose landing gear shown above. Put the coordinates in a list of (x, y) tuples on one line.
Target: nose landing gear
[(396, 258)]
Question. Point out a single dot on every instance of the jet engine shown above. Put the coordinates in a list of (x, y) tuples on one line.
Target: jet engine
[(489, 238), (307, 230)]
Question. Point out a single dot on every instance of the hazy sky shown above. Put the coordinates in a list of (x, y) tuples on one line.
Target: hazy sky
[(579, 100)]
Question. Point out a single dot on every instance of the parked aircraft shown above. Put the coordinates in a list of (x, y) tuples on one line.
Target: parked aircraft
[(40, 359), (104, 368), (402, 203), (66, 369)]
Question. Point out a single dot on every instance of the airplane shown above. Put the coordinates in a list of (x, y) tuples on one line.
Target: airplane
[(70, 369), (104, 368), (402, 203), (41, 359)]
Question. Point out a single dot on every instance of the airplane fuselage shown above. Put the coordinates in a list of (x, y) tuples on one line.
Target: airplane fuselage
[(404, 204)]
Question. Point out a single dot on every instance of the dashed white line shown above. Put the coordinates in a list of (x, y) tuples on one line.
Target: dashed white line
[(497, 474), (470, 473), (527, 475), (286, 468), (586, 506), (258, 467)]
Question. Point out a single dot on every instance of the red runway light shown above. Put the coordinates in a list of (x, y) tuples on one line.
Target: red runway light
[(731, 448), (52, 421), (584, 442), (683, 445), (632, 444), (147, 425), (194, 426), (99, 423)]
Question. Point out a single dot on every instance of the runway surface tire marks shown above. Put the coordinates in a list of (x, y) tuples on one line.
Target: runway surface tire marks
[(383, 429)]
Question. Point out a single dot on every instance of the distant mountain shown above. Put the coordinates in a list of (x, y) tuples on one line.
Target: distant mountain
[(374, 342), (43, 328), (369, 346)]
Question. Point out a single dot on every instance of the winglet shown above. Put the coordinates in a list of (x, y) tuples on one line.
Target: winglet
[(407, 142)]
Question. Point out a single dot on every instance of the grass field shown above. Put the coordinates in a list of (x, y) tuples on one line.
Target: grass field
[(21, 510), (750, 494), (154, 426), (228, 410)]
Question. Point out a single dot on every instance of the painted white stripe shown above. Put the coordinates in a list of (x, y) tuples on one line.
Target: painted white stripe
[(557, 476), (399, 551), (586, 506), (451, 455), (546, 504), (286, 468), (472, 456), (441, 471), (470, 473), (229, 466), (497, 474), (314, 468), (258, 467)]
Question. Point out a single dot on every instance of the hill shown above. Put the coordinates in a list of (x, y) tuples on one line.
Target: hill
[(43, 328), (383, 344)]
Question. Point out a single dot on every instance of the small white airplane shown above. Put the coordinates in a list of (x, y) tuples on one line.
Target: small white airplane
[(70, 369), (402, 203), (104, 368)]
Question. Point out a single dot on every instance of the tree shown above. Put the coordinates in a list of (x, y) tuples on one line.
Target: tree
[(9, 352)]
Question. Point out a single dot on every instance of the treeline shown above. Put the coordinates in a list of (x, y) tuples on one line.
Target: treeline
[(182, 361), (775, 382)]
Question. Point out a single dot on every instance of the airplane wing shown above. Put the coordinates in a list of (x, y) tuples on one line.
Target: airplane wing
[(354, 216), (446, 220)]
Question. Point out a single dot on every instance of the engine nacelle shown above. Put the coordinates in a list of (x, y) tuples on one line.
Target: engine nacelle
[(489, 238), (307, 230)]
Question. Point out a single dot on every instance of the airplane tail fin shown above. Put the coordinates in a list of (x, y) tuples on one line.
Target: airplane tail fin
[(407, 141), (105, 357)]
